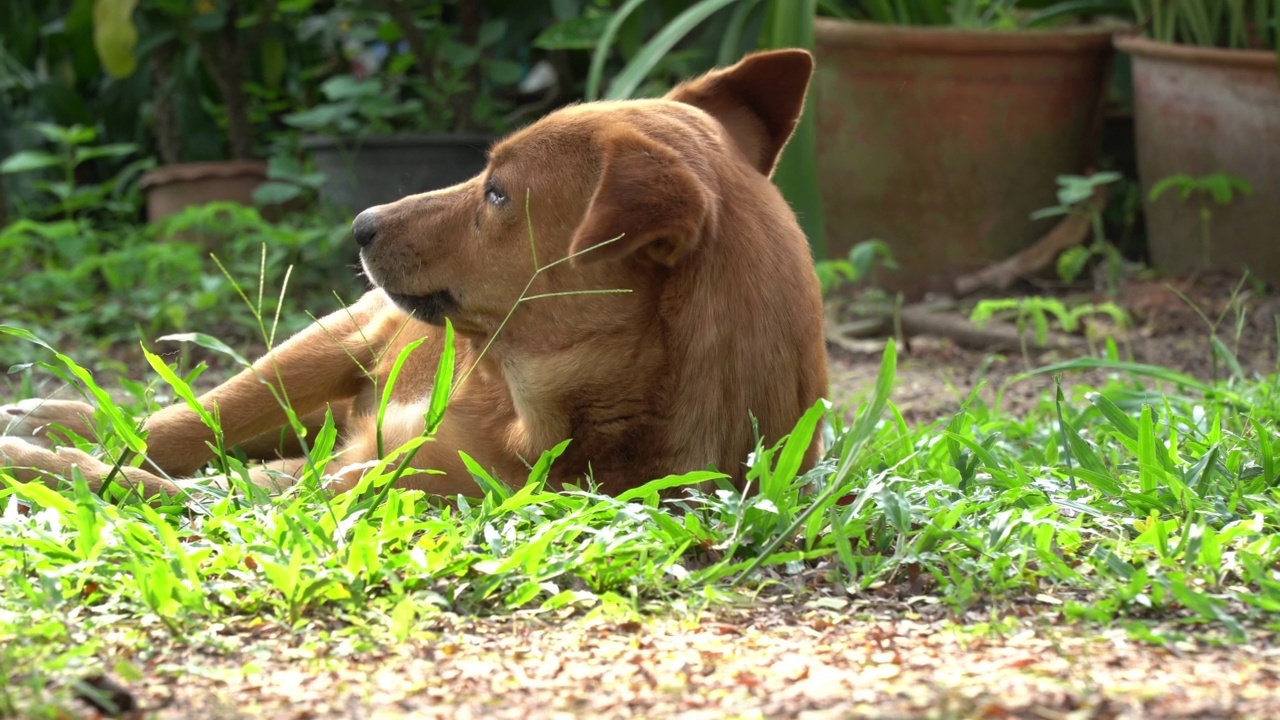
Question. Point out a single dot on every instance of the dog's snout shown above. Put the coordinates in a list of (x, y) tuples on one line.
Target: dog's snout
[(365, 227)]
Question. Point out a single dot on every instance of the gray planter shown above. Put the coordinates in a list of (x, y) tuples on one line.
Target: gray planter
[(1200, 111), (363, 172)]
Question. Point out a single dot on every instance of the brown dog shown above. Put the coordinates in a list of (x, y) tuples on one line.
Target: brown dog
[(668, 200)]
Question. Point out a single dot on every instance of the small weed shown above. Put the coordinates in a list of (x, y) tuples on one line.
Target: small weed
[(1076, 195), (1038, 314), (1221, 188), (862, 259), (72, 147)]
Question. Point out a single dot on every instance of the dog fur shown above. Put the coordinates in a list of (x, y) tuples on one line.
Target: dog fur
[(667, 199)]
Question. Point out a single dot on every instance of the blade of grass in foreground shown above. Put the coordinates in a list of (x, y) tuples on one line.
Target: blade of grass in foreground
[(392, 376), (122, 426), (1155, 372), (442, 388), (850, 455)]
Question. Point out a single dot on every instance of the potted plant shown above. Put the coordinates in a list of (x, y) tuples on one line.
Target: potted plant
[(1206, 80), (943, 124), (415, 109), (217, 37)]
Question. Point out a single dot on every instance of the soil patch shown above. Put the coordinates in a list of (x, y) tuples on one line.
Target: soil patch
[(1169, 329), (767, 661)]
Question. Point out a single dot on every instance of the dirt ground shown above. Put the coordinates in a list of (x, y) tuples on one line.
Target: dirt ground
[(770, 661), (935, 375)]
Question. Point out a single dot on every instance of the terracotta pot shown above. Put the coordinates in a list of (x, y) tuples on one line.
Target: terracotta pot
[(942, 142), (1201, 111), (363, 172), (172, 188)]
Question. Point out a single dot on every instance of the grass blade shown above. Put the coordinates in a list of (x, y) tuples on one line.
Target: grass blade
[(442, 388), (626, 83)]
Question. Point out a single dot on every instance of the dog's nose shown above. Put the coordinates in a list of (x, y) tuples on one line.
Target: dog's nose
[(365, 227)]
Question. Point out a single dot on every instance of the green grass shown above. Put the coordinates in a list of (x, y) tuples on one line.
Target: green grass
[(1148, 499), (98, 285)]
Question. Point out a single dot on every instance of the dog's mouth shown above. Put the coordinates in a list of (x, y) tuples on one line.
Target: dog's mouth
[(430, 308)]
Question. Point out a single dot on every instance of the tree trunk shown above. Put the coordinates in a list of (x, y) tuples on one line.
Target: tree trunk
[(168, 138), (223, 59), (239, 129), (4, 206), (470, 17)]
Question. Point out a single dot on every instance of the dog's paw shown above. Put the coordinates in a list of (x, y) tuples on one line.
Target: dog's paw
[(37, 420), (28, 462)]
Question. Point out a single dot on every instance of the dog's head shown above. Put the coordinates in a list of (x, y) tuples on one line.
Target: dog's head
[(595, 197)]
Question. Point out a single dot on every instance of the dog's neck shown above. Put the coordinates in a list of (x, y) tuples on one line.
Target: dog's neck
[(540, 419), (592, 406)]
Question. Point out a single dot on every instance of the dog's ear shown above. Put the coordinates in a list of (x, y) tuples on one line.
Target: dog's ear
[(648, 198), (758, 101)]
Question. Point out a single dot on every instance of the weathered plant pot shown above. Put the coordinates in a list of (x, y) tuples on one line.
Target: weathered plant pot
[(942, 142), (363, 172), (172, 188), (1201, 111)]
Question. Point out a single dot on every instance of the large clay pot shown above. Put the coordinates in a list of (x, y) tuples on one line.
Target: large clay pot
[(942, 142), (1201, 111), (172, 188), (364, 172)]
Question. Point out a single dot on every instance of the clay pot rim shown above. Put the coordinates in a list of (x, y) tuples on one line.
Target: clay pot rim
[(943, 39), (203, 170), (1140, 46), (394, 140)]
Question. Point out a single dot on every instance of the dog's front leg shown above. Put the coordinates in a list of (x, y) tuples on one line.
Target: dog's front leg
[(327, 362), (29, 462)]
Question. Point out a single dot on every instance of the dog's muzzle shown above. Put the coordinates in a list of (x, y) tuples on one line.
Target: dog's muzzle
[(430, 308)]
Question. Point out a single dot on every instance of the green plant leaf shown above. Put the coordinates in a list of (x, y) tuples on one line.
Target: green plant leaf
[(321, 116), (732, 41), (1071, 10), (208, 342), (492, 31), (595, 73), (627, 81), (1183, 182), (863, 257), (115, 36), (458, 55), (504, 72), (442, 386), (276, 193), (349, 87), (45, 497), (576, 33), (1072, 262), (798, 442), (29, 160), (106, 404), (385, 402), (86, 154), (789, 24), (654, 487)]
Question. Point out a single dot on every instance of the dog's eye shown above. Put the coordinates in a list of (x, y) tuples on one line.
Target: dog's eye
[(494, 194)]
